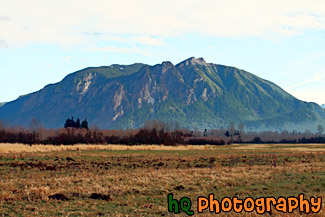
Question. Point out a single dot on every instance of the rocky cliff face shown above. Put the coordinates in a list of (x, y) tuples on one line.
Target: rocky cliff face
[(196, 94)]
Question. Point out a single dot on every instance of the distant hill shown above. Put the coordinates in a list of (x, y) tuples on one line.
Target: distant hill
[(2, 103), (323, 106), (194, 93)]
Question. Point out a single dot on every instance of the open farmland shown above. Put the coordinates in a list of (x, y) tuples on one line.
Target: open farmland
[(135, 180)]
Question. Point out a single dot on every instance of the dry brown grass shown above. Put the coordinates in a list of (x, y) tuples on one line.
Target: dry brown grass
[(138, 179), (129, 190), (288, 147), (18, 148)]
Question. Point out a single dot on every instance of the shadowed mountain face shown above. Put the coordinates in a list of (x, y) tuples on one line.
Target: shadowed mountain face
[(196, 94)]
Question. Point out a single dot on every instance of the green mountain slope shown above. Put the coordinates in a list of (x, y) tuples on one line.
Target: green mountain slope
[(197, 94)]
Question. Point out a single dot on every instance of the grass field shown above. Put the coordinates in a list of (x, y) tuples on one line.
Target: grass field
[(135, 180)]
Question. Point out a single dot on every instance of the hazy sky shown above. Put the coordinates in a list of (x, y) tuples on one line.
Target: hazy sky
[(283, 41)]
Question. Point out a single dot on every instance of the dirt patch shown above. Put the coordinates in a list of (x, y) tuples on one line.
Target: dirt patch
[(100, 197), (58, 197)]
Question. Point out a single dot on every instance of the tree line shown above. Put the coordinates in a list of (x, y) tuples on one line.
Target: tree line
[(70, 136), (153, 132), (237, 134)]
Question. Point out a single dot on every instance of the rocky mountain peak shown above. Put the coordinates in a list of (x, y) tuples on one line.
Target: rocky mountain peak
[(193, 61), (167, 63), (199, 61)]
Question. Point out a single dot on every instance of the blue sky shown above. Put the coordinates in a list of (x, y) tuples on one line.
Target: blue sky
[(41, 41)]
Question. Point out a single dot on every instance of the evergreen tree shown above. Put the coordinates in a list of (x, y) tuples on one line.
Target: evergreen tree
[(84, 124), (78, 123), (73, 123), (205, 132), (67, 123)]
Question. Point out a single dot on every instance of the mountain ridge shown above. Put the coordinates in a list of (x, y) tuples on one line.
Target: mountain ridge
[(197, 94)]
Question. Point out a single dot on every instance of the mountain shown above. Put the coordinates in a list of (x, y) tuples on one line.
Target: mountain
[(194, 93), (323, 106), (2, 103)]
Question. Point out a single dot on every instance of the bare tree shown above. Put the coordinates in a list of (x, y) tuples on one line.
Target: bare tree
[(35, 125), (241, 130), (172, 125), (231, 131), (231, 128), (3, 125), (154, 124), (320, 130), (35, 131)]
